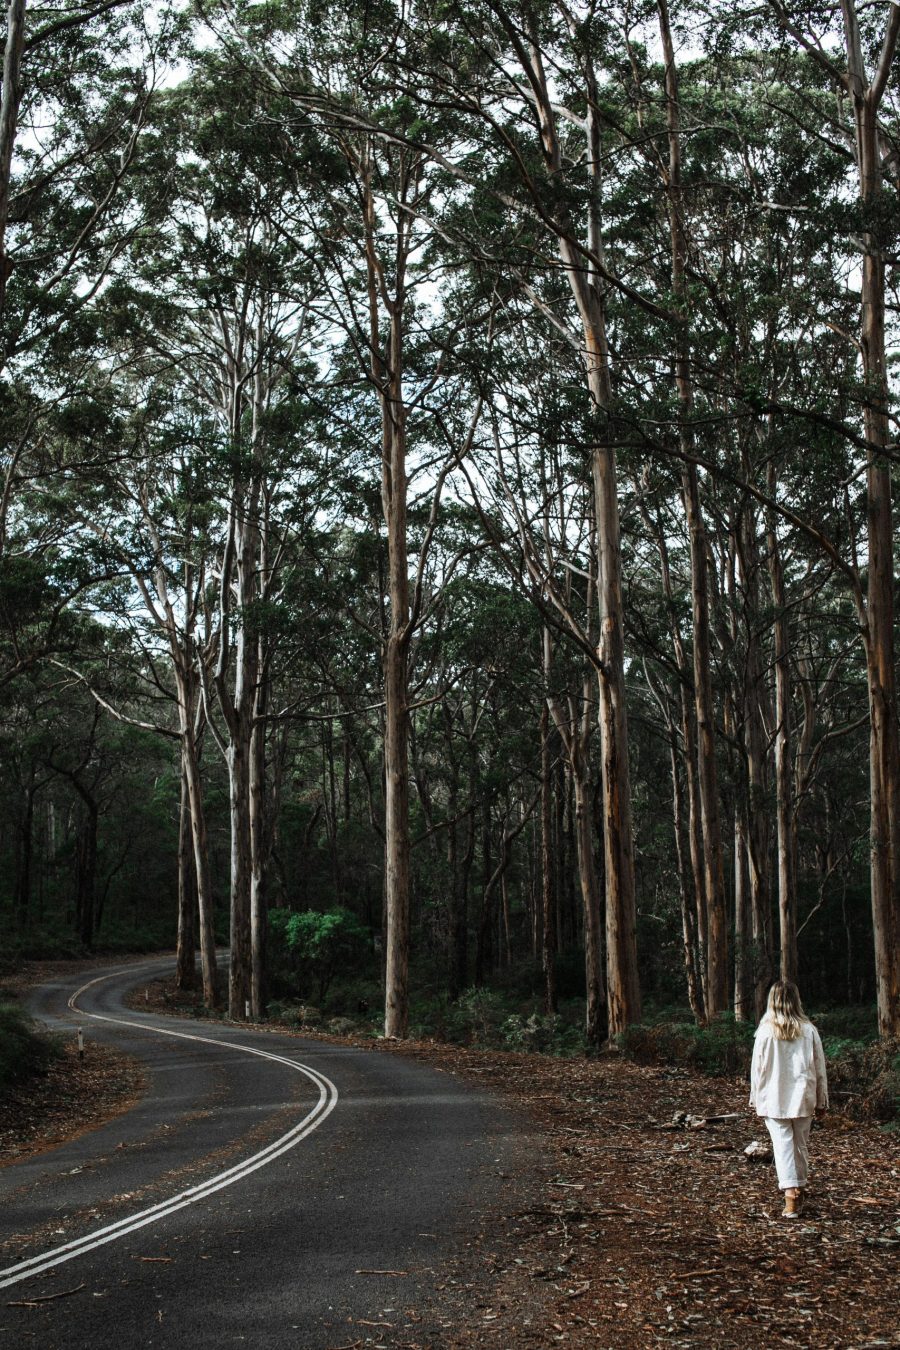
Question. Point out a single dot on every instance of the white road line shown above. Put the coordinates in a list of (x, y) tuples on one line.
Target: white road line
[(328, 1097)]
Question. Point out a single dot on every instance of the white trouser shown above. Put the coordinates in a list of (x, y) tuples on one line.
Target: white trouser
[(790, 1143)]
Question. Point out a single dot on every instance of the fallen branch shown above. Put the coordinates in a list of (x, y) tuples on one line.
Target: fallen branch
[(43, 1298), (682, 1120)]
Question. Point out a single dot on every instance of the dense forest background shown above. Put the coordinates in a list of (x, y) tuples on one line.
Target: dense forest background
[(446, 519)]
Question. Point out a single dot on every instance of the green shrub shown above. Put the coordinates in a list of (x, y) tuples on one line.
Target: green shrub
[(848, 1024), (476, 1017), (309, 948), (542, 1034), (24, 1050), (489, 1019), (723, 1047)]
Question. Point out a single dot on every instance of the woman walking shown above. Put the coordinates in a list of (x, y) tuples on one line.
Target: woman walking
[(788, 1086)]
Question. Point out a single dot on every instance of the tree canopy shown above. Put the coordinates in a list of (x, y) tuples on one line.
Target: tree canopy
[(449, 472)]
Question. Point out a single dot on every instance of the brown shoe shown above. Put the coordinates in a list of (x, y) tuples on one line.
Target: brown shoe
[(793, 1203)]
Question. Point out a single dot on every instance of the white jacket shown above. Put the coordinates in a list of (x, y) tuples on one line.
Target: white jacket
[(788, 1078)]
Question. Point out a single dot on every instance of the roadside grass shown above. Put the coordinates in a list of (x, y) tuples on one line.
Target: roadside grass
[(25, 1052)]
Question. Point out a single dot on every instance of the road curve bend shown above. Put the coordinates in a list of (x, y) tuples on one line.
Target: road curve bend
[(266, 1191)]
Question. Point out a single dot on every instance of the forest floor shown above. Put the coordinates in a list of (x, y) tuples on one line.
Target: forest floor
[(626, 1229)]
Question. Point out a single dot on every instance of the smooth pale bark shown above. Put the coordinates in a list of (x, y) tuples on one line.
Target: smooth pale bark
[(695, 840), (10, 97), (755, 738), (238, 586), (707, 771), (239, 970), (186, 669), (595, 1024), (743, 960), (697, 924), (884, 743), (245, 392), (396, 691), (397, 841), (186, 688), (623, 991), (688, 910), (396, 696), (207, 942), (784, 806), (574, 728), (707, 775), (386, 311), (258, 860), (548, 915), (261, 837), (186, 945), (588, 290)]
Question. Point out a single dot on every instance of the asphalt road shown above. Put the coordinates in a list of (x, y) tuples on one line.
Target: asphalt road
[(266, 1191)]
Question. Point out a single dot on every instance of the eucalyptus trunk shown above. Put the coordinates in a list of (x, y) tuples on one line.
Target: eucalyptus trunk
[(258, 859), (784, 805), (694, 925), (595, 1023), (713, 875), (744, 1003), (686, 890), (755, 697), (190, 768), (396, 701), (884, 740), (573, 725), (548, 908), (10, 97), (239, 973), (186, 944), (588, 290)]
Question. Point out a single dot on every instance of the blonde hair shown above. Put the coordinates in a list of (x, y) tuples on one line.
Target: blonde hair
[(785, 1011)]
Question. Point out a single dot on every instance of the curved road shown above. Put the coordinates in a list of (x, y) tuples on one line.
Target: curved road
[(266, 1191)]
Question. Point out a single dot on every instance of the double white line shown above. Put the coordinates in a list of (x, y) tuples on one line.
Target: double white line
[(328, 1096)]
